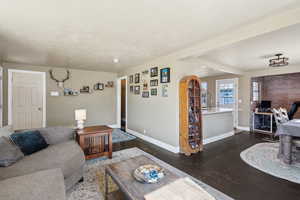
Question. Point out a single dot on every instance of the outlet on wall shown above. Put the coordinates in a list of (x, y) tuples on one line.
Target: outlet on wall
[(144, 131)]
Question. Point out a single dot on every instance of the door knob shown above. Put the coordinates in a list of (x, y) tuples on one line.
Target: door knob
[(40, 109)]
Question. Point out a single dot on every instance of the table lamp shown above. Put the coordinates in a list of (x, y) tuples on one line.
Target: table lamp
[(80, 116)]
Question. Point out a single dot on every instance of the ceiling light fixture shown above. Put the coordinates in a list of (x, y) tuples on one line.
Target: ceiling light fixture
[(116, 60), (279, 61)]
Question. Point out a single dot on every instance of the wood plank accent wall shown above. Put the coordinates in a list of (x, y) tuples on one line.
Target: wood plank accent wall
[(282, 90)]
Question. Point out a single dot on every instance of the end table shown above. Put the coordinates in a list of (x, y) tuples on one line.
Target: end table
[(95, 141)]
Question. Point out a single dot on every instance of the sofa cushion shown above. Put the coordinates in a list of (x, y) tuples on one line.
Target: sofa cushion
[(43, 185), (55, 135), (6, 131), (29, 141), (67, 156), (9, 152)]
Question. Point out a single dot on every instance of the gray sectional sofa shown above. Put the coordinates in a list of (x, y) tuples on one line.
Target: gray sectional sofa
[(62, 154)]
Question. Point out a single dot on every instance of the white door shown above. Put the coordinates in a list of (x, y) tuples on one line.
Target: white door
[(27, 90), (227, 96), (1, 96)]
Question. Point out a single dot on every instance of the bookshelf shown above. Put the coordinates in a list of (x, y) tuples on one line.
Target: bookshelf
[(191, 140)]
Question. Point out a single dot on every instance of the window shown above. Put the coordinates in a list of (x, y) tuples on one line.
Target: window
[(255, 91), (225, 93), (204, 94)]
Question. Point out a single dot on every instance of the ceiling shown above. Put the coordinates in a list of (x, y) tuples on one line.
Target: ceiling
[(254, 53), (90, 34), (204, 71)]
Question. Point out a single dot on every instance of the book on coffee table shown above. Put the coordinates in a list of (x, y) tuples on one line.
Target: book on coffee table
[(181, 189)]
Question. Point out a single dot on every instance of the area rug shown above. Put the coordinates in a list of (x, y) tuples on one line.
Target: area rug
[(121, 136), (92, 188), (263, 156)]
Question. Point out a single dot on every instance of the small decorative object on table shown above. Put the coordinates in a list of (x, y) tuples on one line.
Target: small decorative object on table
[(80, 116), (148, 173)]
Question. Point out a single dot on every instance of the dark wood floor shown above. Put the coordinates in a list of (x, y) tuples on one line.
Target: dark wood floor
[(220, 166)]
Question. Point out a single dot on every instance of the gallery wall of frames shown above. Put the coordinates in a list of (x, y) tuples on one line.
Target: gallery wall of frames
[(152, 82)]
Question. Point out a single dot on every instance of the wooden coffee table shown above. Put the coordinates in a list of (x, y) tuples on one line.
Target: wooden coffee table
[(121, 173), (95, 141)]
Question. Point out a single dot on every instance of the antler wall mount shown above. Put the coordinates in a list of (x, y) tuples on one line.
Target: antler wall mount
[(60, 83)]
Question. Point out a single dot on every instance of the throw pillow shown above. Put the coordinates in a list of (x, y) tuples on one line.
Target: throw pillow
[(29, 141), (55, 135), (6, 131), (9, 152)]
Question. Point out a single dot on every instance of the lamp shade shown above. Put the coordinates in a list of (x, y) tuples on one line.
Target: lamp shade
[(80, 114)]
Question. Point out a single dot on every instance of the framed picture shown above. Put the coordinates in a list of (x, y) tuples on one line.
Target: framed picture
[(154, 82), (99, 86), (85, 89), (109, 84), (154, 92), (137, 78), (130, 79), (145, 85), (165, 75), (145, 94), (154, 72), (137, 89), (131, 89), (164, 91)]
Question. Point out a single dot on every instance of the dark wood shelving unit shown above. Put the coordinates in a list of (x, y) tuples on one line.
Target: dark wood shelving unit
[(191, 140)]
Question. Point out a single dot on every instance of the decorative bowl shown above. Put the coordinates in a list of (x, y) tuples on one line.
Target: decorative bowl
[(148, 173)]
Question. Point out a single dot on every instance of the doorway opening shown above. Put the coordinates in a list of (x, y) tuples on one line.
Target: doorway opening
[(227, 96), (123, 105)]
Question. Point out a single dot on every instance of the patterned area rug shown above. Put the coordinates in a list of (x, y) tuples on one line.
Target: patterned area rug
[(121, 136), (92, 188), (263, 156)]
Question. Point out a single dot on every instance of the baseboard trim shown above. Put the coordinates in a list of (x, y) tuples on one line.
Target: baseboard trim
[(217, 138), (154, 141), (114, 126), (244, 128)]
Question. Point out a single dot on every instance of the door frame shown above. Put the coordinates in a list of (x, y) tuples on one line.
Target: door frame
[(10, 75), (119, 102), (236, 99), (1, 96)]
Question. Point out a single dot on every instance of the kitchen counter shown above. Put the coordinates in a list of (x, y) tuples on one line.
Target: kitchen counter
[(215, 110), (217, 124)]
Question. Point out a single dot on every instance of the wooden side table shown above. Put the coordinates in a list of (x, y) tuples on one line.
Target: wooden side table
[(95, 141)]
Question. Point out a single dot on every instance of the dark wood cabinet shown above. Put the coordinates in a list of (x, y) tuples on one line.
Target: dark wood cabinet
[(95, 141)]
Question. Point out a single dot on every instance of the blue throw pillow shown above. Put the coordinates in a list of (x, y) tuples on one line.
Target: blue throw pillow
[(29, 141)]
